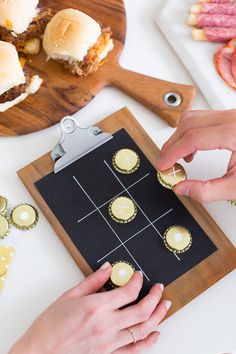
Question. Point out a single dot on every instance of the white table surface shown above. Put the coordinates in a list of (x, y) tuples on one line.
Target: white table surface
[(43, 269)]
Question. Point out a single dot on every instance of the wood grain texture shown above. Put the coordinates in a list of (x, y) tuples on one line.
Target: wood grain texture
[(64, 94), (195, 281)]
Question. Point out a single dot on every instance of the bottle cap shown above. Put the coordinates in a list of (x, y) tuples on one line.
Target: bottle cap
[(122, 272), (126, 161), (24, 217), (177, 239), (4, 226), (122, 210), (3, 205), (169, 178)]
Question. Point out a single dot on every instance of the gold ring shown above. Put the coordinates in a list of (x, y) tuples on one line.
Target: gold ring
[(133, 335)]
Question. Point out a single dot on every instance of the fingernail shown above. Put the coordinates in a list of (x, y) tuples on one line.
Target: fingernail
[(105, 266), (161, 287), (168, 304), (181, 190), (140, 272)]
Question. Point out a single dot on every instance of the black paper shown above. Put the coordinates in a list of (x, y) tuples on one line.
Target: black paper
[(89, 183)]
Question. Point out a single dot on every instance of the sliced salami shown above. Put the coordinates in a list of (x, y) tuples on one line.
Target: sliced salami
[(220, 34), (214, 8), (205, 20), (234, 64), (223, 63), (221, 1)]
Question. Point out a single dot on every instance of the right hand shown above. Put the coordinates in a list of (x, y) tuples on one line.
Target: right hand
[(85, 322), (202, 131)]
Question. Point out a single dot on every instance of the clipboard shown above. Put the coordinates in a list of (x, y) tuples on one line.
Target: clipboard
[(212, 257)]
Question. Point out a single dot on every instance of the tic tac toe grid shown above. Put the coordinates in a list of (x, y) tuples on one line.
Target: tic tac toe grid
[(79, 197)]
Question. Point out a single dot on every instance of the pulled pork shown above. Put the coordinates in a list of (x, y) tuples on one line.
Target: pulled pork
[(35, 30), (16, 91), (91, 61)]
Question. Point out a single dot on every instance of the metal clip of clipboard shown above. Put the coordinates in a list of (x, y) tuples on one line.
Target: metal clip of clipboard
[(76, 142)]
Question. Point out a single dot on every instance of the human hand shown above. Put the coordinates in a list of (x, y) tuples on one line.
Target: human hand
[(85, 322), (201, 131)]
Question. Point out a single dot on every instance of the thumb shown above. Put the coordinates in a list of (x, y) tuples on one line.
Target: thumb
[(93, 282), (223, 188)]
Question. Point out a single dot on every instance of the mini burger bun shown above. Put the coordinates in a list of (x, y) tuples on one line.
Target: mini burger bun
[(70, 34), (11, 72), (16, 15), (34, 85)]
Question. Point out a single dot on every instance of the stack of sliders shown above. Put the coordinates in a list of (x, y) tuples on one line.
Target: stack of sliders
[(214, 20), (70, 37), (78, 41), (15, 81), (22, 23)]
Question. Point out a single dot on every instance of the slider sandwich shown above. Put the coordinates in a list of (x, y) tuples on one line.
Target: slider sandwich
[(15, 82), (78, 41), (22, 23)]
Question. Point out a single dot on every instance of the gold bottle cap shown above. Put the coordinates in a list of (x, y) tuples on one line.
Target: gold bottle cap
[(3, 205), (6, 256), (169, 178), (24, 217), (232, 202), (177, 239), (122, 210), (4, 227), (122, 272), (126, 161)]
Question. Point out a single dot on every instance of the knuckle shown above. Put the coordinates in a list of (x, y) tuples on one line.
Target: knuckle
[(144, 312), (203, 192), (90, 308), (99, 330), (143, 332), (191, 136), (132, 293), (93, 279)]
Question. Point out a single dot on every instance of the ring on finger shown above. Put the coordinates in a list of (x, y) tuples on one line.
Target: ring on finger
[(133, 335)]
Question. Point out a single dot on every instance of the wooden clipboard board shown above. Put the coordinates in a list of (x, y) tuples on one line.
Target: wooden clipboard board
[(196, 280)]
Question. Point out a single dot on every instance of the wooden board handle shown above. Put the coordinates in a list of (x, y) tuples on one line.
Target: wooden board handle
[(153, 93)]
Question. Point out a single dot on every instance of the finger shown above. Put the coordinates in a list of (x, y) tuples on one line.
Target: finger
[(193, 120), (190, 157), (142, 311), (139, 347), (232, 162), (205, 191), (197, 139), (125, 295), (143, 330), (94, 282)]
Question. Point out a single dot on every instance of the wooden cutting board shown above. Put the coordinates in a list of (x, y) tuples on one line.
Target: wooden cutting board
[(64, 94)]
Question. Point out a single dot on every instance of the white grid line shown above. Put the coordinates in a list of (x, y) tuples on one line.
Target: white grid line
[(133, 236), (117, 195), (127, 250), (114, 174)]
